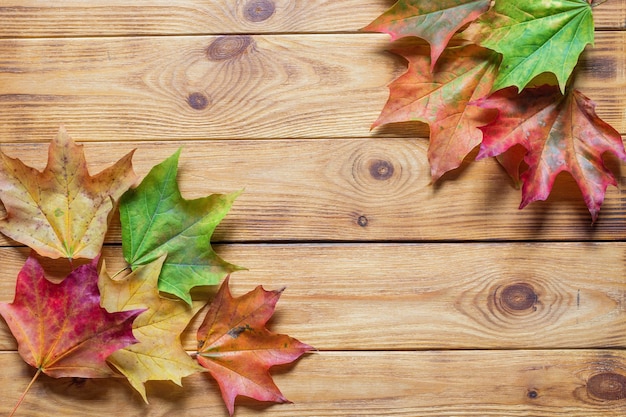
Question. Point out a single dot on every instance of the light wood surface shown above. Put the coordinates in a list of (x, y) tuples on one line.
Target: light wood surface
[(230, 87), (41, 18), (422, 299), (420, 296), (331, 190), (512, 383)]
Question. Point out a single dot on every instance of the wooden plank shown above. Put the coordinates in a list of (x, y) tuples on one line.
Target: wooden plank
[(155, 17), (229, 87), (333, 190), (428, 296), (218, 87), (34, 18), (576, 383)]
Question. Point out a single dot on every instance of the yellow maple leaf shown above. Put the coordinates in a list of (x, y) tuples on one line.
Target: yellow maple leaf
[(159, 355), (61, 211)]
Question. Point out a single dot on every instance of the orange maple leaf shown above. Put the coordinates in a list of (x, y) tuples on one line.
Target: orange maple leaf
[(238, 350)]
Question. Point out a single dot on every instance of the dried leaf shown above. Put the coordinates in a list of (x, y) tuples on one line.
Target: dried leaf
[(441, 99), (560, 133), (434, 21), (61, 328), (237, 348), (159, 355), (62, 211)]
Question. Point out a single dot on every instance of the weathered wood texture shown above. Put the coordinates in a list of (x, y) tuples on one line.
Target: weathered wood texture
[(422, 296), (577, 383), (423, 300), (40, 18), (230, 87), (356, 190)]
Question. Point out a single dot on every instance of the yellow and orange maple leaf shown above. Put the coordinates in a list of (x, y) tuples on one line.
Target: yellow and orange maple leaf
[(62, 211)]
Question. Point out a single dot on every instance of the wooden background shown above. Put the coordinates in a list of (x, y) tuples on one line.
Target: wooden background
[(423, 300)]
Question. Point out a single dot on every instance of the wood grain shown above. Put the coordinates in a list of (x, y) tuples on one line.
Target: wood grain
[(334, 190), (425, 296), (229, 87), (34, 18), (422, 300), (576, 383)]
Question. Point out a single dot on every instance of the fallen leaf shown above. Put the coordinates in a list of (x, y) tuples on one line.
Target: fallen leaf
[(237, 348), (434, 21), (61, 211), (157, 220), (61, 328), (464, 74), (159, 355), (560, 133), (511, 160), (534, 37)]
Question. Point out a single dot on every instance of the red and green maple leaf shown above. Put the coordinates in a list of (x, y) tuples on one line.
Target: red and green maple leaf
[(434, 21), (61, 211), (559, 133), (60, 328), (238, 350), (464, 74)]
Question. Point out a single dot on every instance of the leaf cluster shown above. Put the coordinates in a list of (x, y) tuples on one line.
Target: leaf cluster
[(93, 324), (499, 75)]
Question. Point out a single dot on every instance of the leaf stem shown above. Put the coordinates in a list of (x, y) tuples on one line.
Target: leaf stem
[(30, 384), (120, 271)]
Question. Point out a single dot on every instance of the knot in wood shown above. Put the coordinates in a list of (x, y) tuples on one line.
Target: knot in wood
[(381, 170), (259, 10), (228, 47), (607, 386), (362, 221), (518, 297), (197, 101)]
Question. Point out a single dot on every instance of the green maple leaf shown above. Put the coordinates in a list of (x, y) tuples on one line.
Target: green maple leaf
[(535, 37), (157, 220)]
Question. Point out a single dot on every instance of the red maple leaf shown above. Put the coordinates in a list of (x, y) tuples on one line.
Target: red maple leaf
[(238, 350), (560, 133), (60, 328), (463, 74)]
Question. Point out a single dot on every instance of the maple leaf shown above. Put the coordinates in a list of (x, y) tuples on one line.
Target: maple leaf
[(535, 37), (60, 328), (434, 21), (237, 348), (511, 160), (61, 211), (157, 220), (159, 355), (464, 74), (560, 133)]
